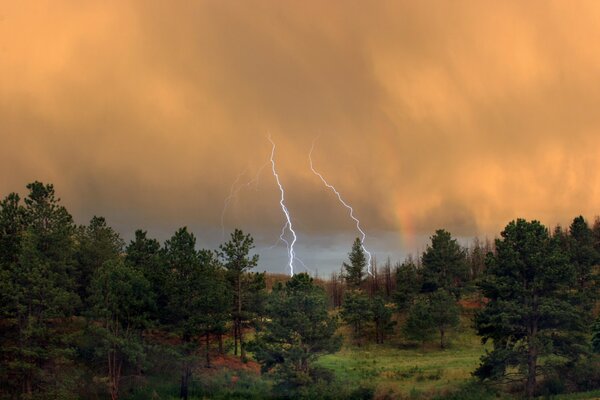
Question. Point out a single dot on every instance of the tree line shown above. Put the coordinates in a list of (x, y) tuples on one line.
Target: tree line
[(84, 314)]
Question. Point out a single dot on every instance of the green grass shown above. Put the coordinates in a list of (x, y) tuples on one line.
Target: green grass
[(399, 369), (579, 396)]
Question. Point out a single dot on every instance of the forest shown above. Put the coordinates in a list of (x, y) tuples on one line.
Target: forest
[(85, 315)]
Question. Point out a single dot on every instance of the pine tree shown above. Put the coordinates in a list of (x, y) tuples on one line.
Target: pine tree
[(408, 284), (235, 257), (145, 255), (97, 243), (120, 297), (419, 325), (355, 271), (297, 332), (532, 311), (356, 312), (382, 318), (444, 313), (38, 288), (444, 264)]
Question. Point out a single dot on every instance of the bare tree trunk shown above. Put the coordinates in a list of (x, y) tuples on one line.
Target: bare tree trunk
[(442, 339), (207, 350), (185, 380), (235, 336), (239, 317)]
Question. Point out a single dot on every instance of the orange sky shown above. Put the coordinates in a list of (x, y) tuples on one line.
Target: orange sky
[(455, 114)]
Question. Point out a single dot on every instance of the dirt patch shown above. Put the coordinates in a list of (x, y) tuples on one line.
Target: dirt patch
[(234, 364)]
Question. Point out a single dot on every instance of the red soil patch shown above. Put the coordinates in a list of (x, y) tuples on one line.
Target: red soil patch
[(472, 304), (234, 364)]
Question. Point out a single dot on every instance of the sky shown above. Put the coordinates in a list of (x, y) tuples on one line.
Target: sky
[(460, 115)]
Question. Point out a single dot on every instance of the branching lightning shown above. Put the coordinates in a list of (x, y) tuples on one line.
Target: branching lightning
[(233, 191), (288, 224), (350, 209)]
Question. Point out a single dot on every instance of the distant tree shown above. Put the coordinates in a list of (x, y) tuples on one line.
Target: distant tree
[(476, 257), (444, 264), (389, 280), (419, 325), (356, 270), (120, 297), (96, 244), (297, 332), (235, 257), (444, 313), (382, 318), (356, 311), (335, 289), (532, 311), (408, 284)]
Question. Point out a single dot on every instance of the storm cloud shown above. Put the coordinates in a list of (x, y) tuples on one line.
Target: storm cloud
[(428, 114)]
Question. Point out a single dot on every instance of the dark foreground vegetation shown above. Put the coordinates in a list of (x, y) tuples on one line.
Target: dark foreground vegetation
[(84, 315)]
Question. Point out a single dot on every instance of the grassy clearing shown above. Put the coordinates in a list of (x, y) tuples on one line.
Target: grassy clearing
[(400, 369)]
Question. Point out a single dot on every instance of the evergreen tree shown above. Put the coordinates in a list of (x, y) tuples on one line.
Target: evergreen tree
[(184, 274), (120, 298), (419, 325), (431, 312), (444, 264), (97, 243), (583, 257), (297, 332), (382, 318), (355, 271), (38, 289), (144, 254), (356, 312), (444, 313), (531, 312), (235, 257), (408, 284)]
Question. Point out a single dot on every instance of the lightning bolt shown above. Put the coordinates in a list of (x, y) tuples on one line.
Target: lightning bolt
[(350, 209), (233, 191), (288, 224)]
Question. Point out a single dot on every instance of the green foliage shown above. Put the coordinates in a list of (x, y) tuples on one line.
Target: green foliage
[(408, 284), (119, 297), (431, 313), (144, 254), (234, 255), (356, 311), (96, 244), (444, 312), (444, 264), (197, 301), (532, 311), (38, 289), (382, 318), (596, 336), (419, 325), (298, 331), (583, 256), (355, 271)]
